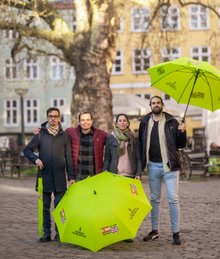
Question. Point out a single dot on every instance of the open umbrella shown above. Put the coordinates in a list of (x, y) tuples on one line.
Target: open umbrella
[(101, 210), (188, 81), (40, 204)]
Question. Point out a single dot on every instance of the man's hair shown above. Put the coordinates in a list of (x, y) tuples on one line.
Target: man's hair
[(85, 112), (53, 109), (122, 114), (156, 96)]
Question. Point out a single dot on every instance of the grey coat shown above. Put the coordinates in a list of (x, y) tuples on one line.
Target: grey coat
[(112, 156)]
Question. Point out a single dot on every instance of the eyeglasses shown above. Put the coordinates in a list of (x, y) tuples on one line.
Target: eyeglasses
[(53, 116)]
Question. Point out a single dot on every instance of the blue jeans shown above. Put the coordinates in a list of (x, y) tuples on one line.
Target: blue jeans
[(46, 209), (155, 176)]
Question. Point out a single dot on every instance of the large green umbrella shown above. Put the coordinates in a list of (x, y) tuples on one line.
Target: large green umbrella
[(40, 204), (101, 210), (188, 81)]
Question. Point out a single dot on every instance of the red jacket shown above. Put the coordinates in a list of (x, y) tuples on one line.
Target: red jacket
[(99, 138)]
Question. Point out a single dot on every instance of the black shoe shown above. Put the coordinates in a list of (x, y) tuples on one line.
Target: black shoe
[(57, 237), (176, 239), (151, 236), (45, 238)]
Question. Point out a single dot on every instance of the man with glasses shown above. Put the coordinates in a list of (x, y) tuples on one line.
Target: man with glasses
[(54, 160)]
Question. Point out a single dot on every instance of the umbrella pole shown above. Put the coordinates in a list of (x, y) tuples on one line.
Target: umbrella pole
[(196, 77)]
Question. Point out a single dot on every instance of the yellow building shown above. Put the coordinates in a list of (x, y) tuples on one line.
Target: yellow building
[(189, 31)]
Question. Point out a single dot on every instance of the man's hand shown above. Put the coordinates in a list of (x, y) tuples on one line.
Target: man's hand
[(182, 126), (72, 181), (39, 163), (36, 131)]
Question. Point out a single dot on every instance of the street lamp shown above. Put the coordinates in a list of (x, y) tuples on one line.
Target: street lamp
[(21, 92)]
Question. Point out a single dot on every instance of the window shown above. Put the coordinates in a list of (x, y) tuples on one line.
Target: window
[(141, 19), (170, 18), (169, 54), (32, 112), (60, 103), (10, 34), (31, 68), (198, 17), (141, 60), (57, 68), (200, 53), (10, 69), (117, 68), (11, 112), (120, 25)]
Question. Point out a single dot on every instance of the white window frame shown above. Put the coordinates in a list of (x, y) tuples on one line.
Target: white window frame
[(10, 69), (140, 19), (118, 66), (168, 54), (32, 112), (145, 54), (13, 113), (60, 103), (10, 34), (31, 64), (170, 18), (57, 69), (198, 17), (198, 53), (120, 25)]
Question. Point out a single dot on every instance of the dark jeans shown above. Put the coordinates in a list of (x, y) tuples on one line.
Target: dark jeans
[(46, 209)]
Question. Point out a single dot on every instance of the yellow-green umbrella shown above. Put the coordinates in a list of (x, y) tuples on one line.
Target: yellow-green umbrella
[(188, 81), (101, 210), (40, 204)]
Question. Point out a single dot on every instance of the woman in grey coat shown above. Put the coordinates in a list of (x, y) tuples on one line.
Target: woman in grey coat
[(121, 152)]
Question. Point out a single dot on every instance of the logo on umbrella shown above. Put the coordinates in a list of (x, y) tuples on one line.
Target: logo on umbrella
[(62, 216), (79, 232), (110, 229), (133, 212), (133, 189)]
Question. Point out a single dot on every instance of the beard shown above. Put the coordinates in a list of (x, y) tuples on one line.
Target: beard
[(157, 110)]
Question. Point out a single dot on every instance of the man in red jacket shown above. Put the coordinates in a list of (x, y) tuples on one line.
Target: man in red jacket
[(87, 145)]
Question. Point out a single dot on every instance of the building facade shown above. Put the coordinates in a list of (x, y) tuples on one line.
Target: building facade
[(31, 85)]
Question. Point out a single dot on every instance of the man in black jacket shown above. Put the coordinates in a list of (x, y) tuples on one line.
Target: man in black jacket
[(54, 160), (160, 137)]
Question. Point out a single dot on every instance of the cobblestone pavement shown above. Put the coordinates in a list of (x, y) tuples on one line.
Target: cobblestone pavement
[(200, 226)]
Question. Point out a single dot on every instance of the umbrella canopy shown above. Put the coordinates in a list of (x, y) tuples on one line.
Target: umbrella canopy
[(101, 210), (40, 204), (188, 81)]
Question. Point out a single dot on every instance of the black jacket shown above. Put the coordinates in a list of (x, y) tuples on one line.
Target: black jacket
[(55, 153), (175, 139), (112, 156)]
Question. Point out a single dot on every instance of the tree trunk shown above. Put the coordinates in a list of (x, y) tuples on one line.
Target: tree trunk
[(91, 90)]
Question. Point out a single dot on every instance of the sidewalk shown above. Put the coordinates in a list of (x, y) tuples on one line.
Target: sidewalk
[(200, 226)]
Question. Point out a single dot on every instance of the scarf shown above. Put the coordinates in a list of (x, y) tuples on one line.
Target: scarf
[(122, 137), (162, 141), (52, 131)]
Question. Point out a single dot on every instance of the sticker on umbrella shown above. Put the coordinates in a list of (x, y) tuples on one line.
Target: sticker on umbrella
[(101, 210)]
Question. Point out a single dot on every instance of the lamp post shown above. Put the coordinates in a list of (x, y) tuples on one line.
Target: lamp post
[(21, 92)]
